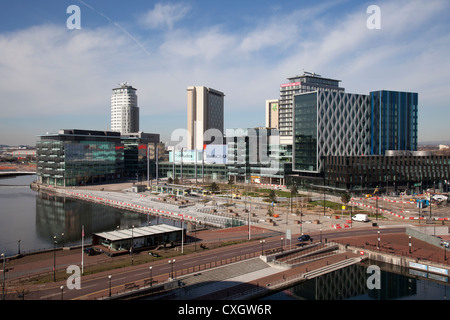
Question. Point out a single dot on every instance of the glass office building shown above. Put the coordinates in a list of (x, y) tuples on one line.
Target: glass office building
[(328, 123), (333, 123), (307, 82), (78, 157), (255, 154), (404, 171), (393, 121)]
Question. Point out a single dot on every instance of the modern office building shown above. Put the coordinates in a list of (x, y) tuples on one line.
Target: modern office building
[(272, 108), (205, 117), (254, 155), (397, 171), (299, 84), (394, 117), (329, 123), (124, 109), (78, 157), (195, 173), (205, 165), (338, 124), (136, 147)]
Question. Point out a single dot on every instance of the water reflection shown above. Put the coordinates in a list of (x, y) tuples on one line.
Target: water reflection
[(64, 217), (35, 218), (350, 283)]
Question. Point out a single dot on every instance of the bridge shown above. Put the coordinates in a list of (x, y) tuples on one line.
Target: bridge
[(16, 173)]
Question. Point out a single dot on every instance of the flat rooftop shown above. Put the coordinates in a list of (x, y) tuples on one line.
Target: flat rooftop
[(124, 234)]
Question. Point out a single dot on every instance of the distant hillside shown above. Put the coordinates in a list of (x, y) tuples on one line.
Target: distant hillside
[(434, 143)]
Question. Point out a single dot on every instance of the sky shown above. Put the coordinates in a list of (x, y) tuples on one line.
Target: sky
[(54, 76)]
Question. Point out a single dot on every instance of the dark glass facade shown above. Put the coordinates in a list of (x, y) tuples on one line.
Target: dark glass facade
[(255, 153), (305, 132), (78, 157), (408, 172), (394, 117)]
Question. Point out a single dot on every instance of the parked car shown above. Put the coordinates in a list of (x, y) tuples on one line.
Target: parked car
[(91, 251), (304, 237), (445, 243), (153, 254)]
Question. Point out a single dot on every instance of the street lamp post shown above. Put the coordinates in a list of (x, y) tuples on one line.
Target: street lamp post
[(54, 258), (62, 290), (262, 246), (109, 279), (132, 244), (409, 245), (171, 262), (4, 275), (281, 244), (151, 276), (378, 240)]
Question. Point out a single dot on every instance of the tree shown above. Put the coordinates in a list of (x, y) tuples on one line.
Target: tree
[(273, 196), (293, 192), (214, 187), (345, 198)]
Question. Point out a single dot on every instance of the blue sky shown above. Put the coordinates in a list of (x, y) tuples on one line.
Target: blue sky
[(53, 77)]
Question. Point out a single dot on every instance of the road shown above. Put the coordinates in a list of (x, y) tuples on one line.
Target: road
[(98, 285)]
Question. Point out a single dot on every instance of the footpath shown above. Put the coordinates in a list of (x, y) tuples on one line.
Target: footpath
[(251, 274)]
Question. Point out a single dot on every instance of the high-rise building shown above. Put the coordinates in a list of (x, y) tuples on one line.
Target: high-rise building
[(124, 109), (394, 121), (205, 116), (299, 84), (272, 108), (329, 123)]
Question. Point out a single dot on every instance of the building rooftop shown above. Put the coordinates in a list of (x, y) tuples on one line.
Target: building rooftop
[(123, 234)]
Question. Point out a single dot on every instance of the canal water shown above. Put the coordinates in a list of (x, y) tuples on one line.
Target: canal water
[(351, 283), (29, 220)]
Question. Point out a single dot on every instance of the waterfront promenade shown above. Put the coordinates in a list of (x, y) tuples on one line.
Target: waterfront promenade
[(232, 279), (361, 236)]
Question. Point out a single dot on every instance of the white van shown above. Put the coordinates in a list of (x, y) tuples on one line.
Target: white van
[(360, 217)]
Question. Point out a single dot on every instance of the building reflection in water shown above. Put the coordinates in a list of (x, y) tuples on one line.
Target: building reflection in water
[(64, 217), (351, 283)]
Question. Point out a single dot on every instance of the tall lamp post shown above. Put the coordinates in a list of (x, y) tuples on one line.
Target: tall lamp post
[(171, 262), (132, 244), (409, 244), (151, 276), (54, 258), (4, 275), (262, 246), (378, 240), (109, 278)]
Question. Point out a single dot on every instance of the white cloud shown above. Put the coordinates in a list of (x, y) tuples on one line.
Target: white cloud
[(48, 70), (164, 15)]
